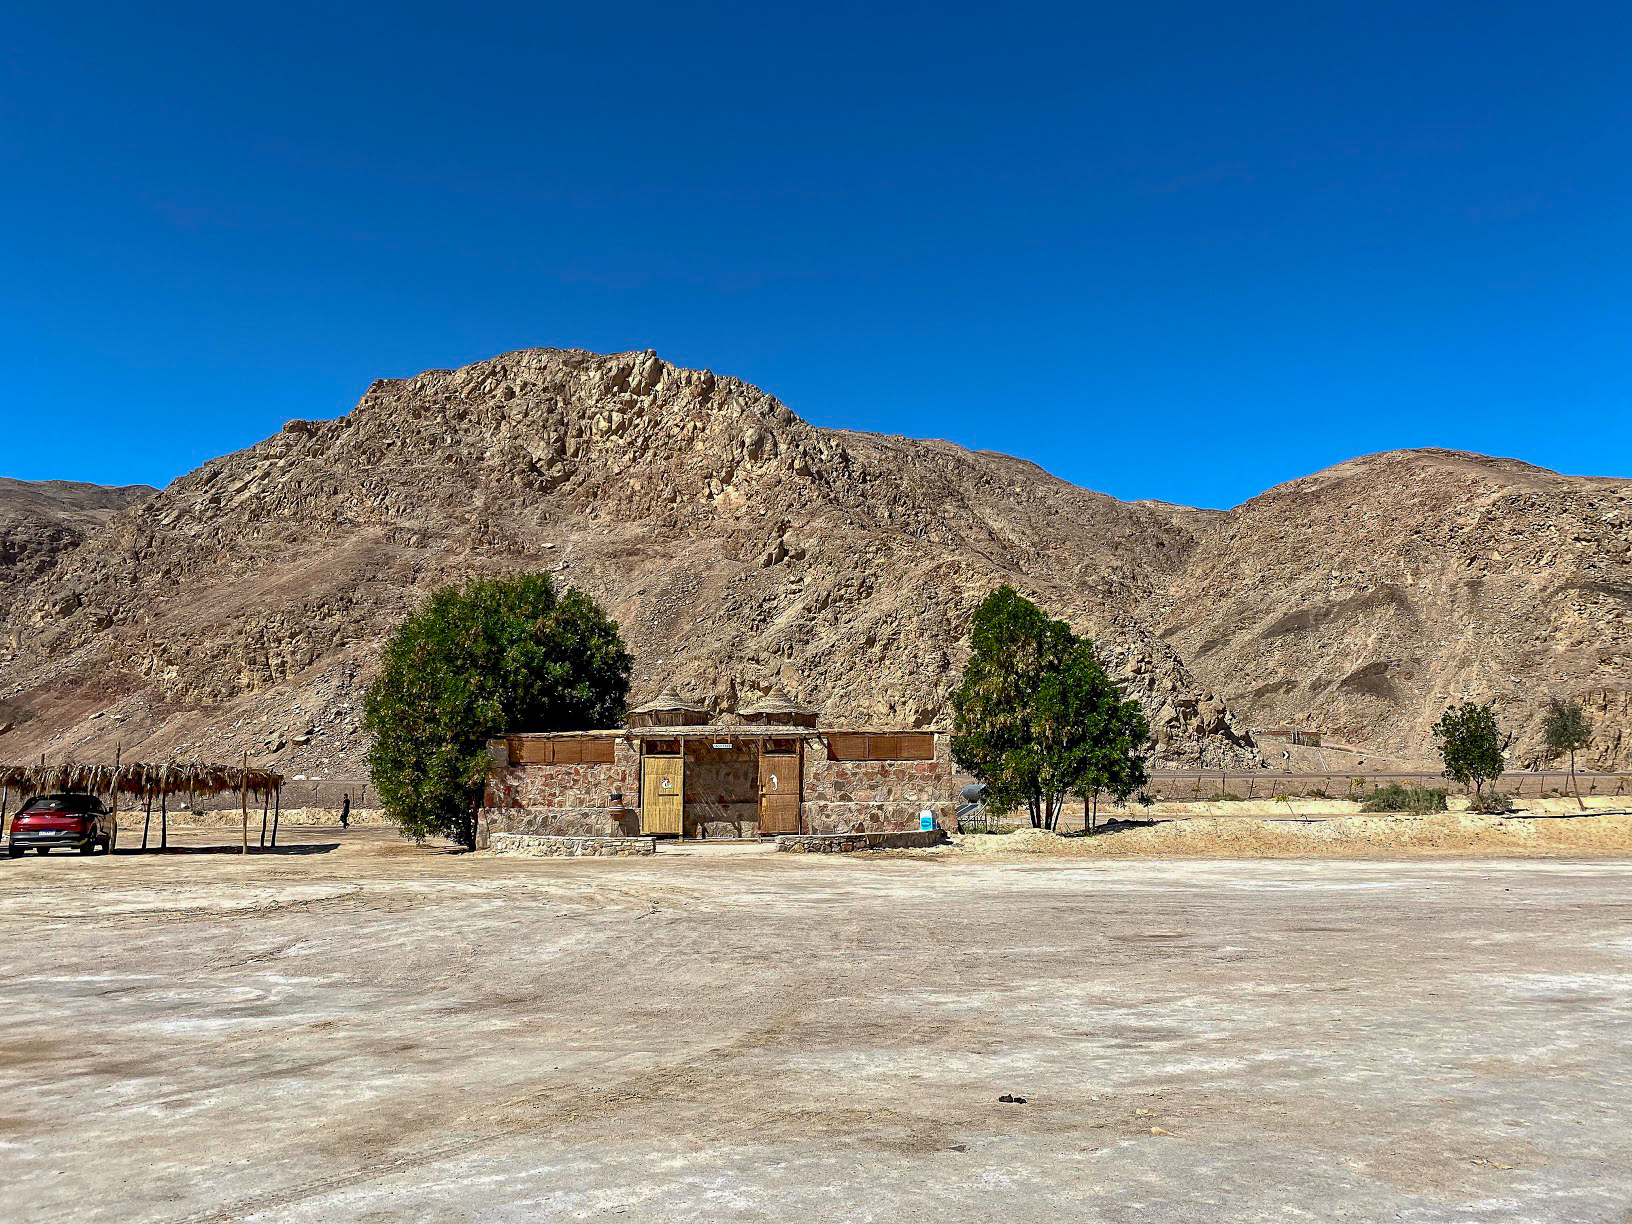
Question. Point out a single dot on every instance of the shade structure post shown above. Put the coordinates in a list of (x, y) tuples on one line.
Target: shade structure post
[(243, 792), (277, 803), (147, 819), (265, 800), (164, 820), (115, 787)]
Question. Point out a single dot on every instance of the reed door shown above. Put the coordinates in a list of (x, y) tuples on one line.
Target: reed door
[(662, 794), (778, 792)]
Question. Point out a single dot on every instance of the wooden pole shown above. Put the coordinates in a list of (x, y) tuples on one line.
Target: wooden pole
[(243, 791), (277, 802), (115, 805), (164, 820), (265, 800), (147, 819)]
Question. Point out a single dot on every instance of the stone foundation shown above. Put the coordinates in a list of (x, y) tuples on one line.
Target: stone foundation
[(850, 843), (555, 822), (570, 847)]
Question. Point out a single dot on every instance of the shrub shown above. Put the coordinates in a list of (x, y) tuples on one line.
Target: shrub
[(1490, 803), (1398, 797), (985, 824)]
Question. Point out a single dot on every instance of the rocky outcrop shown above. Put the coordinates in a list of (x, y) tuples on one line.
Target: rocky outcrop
[(42, 520)]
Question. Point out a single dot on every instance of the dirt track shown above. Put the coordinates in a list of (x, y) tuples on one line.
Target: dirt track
[(360, 1030)]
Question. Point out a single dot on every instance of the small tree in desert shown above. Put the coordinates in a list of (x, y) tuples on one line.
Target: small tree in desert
[(1036, 718), (1566, 729), (1471, 743), (476, 661)]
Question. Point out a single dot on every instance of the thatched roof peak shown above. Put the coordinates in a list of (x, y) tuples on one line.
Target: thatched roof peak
[(773, 703), (666, 701)]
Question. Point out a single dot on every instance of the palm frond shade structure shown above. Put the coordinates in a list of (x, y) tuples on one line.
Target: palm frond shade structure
[(142, 779)]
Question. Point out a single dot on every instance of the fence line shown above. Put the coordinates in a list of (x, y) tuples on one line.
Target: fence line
[(309, 793), (1266, 784)]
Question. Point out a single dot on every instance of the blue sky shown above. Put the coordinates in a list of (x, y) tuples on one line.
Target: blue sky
[(1166, 250)]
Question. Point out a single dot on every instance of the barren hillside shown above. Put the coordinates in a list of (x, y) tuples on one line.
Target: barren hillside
[(1367, 597), (40, 520), (242, 607)]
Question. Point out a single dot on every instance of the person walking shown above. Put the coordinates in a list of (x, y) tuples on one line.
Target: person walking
[(345, 812)]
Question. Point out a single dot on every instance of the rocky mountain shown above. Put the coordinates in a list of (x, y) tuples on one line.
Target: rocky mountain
[(738, 547), (40, 520), (1366, 598), (241, 609)]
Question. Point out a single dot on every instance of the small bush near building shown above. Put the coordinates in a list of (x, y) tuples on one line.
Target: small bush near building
[(985, 824), (1398, 797)]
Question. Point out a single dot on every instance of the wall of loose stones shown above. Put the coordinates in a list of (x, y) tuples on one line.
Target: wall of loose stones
[(877, 796), (570, 847)]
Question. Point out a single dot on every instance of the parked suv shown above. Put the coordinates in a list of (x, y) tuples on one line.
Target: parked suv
[(69, 822)]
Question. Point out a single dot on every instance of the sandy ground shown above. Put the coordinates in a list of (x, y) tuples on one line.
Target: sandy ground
[(1605, 833), (358, 1030)]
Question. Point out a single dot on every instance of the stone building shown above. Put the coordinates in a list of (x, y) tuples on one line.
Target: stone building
[(770, 770)]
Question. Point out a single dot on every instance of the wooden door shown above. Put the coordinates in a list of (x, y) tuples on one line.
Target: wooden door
[(662, 794), (778, 792)]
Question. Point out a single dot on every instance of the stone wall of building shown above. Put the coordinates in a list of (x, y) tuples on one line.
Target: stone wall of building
[(563, 800), (877, 796), (721, 794)]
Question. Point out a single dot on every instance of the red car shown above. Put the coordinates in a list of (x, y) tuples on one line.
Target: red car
[(69, 822)]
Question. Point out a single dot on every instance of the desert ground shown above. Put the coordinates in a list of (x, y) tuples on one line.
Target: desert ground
[(357, 1029)]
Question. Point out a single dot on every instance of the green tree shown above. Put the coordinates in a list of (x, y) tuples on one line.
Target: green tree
[(1118, 764), (490, 657), (1036, 718), (1471, 743), (1566, 729)]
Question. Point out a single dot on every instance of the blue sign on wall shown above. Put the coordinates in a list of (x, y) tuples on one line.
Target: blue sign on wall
[(926, 822)]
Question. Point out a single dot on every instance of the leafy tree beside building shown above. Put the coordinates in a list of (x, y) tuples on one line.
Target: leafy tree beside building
[(490, 657), (1037, 719)]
